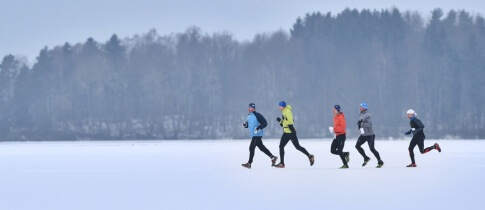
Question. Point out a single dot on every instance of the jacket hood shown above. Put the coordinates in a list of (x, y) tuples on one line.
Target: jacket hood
[(288, 107), (341, 113)]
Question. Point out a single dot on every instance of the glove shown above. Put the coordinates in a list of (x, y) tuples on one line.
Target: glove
[(245, 125), (407, 133), (358, 124), (257, 130), (278, 119)]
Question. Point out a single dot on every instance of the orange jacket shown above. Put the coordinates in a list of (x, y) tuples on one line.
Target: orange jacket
[(339, 124)]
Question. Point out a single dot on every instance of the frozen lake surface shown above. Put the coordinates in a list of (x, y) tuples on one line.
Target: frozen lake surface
[(208, 175)]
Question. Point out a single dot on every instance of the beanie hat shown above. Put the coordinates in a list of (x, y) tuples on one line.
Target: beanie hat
[(337, 107), (252, 105), (411, 111), (282, 104), (364, 105)]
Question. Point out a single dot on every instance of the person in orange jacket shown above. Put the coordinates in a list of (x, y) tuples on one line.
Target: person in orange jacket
[(338, 143)]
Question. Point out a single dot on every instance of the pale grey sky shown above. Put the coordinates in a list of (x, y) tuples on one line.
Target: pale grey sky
[(29, 25)]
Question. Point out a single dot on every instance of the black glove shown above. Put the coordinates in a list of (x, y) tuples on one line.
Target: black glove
[(407, 133), (278, 119), (292, 129), (281, 124), (245, 125), (358, 124)]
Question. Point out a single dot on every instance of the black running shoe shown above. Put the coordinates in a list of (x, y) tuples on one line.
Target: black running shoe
[(280, 165), (412, 165), (365, 162), (312, 160), (273, 160), (246, 165), (380, 163), (344, 166)]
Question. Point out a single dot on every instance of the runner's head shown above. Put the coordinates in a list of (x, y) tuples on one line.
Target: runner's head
[(411, 113), (363, 106), (252, 107), (282, 105), (336, 109)]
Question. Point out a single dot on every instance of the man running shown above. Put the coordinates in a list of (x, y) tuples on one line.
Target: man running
[(417, 129), (255, 124), (367, 135), (289, 133)]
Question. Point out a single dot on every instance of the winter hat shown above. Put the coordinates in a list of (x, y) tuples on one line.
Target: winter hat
[(282, 104), (337, 107), (364, 105), (411, 111), (252, 105)]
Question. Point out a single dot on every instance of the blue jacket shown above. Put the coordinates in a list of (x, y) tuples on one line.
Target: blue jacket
[(256, 120)]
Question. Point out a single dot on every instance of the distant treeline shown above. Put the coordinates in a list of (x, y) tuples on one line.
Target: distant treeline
[(194, 85)]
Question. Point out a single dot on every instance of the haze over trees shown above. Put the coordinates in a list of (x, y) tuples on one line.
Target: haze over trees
[(194, 85)]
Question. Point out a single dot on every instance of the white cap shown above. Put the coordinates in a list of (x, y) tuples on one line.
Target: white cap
[(411, 111)]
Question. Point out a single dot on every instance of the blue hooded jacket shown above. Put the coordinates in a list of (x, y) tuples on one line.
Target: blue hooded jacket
[(256, 120)]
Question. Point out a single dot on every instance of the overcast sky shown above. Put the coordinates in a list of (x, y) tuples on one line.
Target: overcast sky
[(26, 26)]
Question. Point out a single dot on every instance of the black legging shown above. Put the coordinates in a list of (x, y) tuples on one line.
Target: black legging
[(257, 141), (420, 143), (284, 140), (370, 142), (337, 147)]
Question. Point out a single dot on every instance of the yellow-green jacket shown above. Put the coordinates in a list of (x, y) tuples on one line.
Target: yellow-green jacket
[(287, 119)]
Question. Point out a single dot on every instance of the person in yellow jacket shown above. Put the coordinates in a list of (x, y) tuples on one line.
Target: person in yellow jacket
[(289, 133)]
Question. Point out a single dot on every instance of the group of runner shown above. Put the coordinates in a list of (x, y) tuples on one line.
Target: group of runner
[(256, 123)]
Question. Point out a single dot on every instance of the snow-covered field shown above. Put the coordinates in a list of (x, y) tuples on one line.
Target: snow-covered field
[(208, 175)]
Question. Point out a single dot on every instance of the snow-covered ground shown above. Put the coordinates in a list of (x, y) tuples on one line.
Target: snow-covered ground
[(208, 175)]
